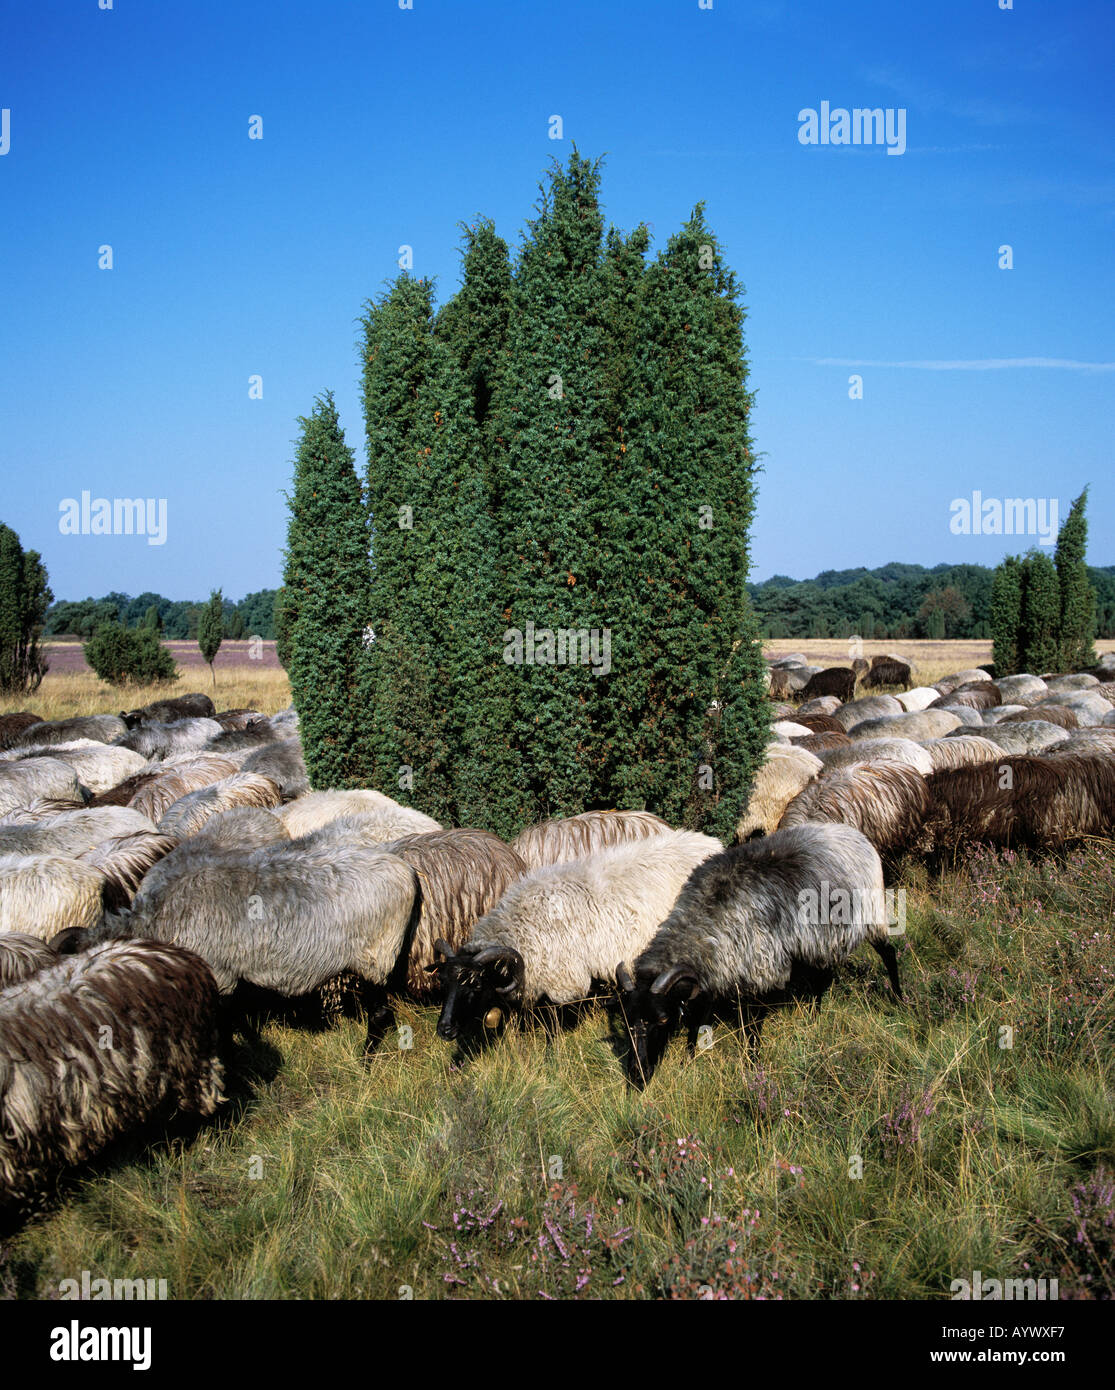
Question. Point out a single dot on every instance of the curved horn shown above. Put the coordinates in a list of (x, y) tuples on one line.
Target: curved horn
[(442, 948), (506, 956), (624, 978), (676, 975)]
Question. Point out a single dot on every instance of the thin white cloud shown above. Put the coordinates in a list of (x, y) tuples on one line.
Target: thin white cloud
[(981, 364)]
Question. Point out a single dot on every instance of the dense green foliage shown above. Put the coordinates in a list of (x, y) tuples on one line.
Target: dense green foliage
[(210, 629), (327, 586), (129, 656), (560, 481), (252, 616), (1006, 615), (24, 598), (1078, 600), (1044, 611)]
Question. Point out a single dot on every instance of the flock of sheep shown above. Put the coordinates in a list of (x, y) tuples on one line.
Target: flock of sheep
[(153, 862)]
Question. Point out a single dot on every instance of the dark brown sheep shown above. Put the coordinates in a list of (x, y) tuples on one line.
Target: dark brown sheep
[(886, 670), (834, 680), (122, 794), (1023, 800), (822, 742), (820, 723), (462, 874), (1052, 714), (13, 724)]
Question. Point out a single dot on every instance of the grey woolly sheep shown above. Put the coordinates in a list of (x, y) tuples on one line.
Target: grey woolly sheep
[(878, 750), (947, 684), (1079, 680), (155, 798), (311, 812), (967, 715), (73, 832), (462, 875), (784, 773), (258, 733), (156, 741), (760, 924), (64, 1094), (190, 812), (1052, 714), (243, 827), (191, 706), (237, 718), (101, 766), (961, 750), (927, 723), (377, 827), (124, 859), (22, 956), (43, 894), (124, 792), (21, 783), (1022, 689), (42, 809), (823, 704), (283, 763), (1090, 707), (286, 917), (561, 839), (867, 707), (887, 802), (563, 926), (1001, 712), (822, 743), (919, 698), (1029, 736), (102, 728)]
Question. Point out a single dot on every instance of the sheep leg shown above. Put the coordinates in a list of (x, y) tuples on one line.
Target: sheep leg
[(380, 1014), (889, 957)]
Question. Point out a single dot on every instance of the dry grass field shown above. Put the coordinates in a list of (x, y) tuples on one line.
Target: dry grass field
[(70, 687)]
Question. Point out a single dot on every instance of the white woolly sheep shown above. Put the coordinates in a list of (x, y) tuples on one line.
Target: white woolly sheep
[(867, 707), (43, 894), (21, 783), (311, 812), (563, 926), (878, 750), (190, 812), (777, 782), (572, 837)]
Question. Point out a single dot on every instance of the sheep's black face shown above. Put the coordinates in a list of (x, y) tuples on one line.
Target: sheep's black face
[(653, 1006), (482, 985)]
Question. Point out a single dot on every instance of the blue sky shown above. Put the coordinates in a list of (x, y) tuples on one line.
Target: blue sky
[(381, 126)]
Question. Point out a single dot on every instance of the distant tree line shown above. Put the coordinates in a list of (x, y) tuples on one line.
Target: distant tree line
[(174, 620), (899, 601)]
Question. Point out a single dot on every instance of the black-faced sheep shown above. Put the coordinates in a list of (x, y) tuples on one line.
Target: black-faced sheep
[(96, 1045), (561, 928), (558, 840), (462, 875), (761, 923), (887, 802)]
